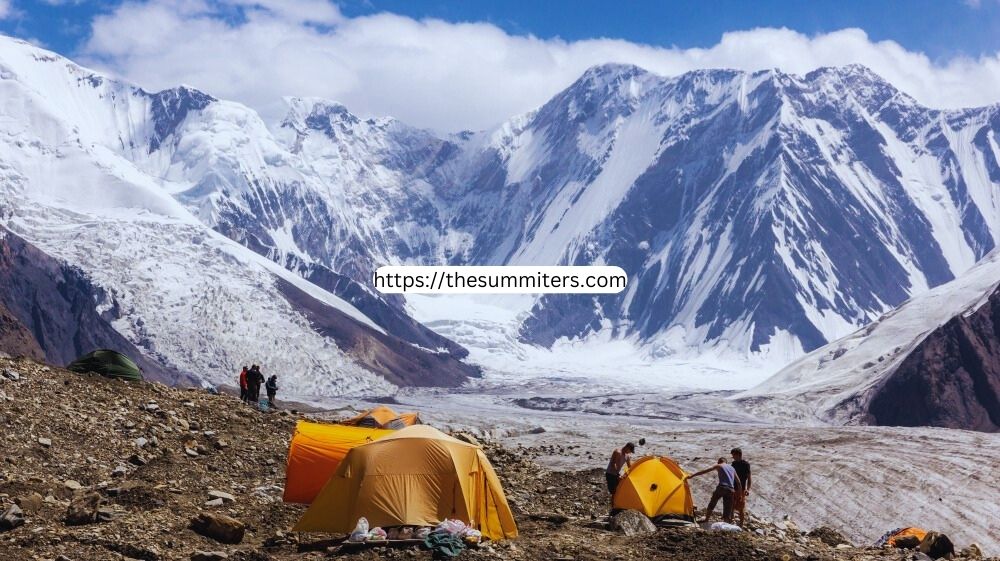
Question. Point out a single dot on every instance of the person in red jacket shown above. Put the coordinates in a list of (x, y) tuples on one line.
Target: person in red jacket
[(244, 389)]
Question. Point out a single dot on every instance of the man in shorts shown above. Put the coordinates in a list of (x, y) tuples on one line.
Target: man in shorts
[(742, 468), (619, 459)]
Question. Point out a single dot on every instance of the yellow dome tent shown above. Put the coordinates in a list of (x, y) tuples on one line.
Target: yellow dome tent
[(314, 454), (417, 476), (382, 417), (655, 486)]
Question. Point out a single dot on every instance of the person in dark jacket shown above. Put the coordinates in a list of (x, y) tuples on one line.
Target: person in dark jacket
[(272, 388), (254, 380)]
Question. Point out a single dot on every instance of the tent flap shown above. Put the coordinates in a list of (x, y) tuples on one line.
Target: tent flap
[(314, 454)]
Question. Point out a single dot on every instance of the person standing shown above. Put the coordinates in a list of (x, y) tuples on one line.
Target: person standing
[(613, 473), (729, 485), (742, 468), (272, 388), (254, 380), (244, 388)]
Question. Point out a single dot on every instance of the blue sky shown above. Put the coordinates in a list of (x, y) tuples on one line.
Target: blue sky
[(472, 64), (943, 28)]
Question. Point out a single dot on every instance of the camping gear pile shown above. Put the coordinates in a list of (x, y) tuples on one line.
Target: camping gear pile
[(933, 544)]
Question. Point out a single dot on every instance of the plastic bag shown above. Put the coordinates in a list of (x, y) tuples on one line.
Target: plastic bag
[(724, 527), (422, 533), (377, 534), (360, 532)]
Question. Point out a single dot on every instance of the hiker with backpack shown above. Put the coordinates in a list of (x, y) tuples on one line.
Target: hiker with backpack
[(272, 388), (742, 468), (244, 389), (727, 489)]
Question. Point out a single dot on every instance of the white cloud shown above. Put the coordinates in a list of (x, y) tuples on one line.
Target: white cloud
[(454, 75), (6, 9)]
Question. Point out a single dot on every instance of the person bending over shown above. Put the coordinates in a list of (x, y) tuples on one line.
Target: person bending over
[(729, 485)]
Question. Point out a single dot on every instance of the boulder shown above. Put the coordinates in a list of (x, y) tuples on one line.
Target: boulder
[(83, 509), (226, 497), (631, 523), (11, 518), (973, 551), (31, 503), (936, 545), (828, 535), (466, 437), (219, 527)]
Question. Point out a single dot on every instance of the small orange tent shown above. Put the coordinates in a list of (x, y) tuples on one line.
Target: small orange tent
[(655, 486), (314, 454), (418, 476), (383, 417)]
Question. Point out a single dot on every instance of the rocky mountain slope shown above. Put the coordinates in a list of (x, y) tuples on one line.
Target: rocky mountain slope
[(103, 469), (88, 182), (931, 362)]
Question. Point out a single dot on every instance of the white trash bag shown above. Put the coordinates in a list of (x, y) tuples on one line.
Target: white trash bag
[(360, 533)]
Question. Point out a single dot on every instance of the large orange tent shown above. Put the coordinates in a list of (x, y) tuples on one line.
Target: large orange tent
[(383, 417), (418, 476), (655, 486), (316, 451)]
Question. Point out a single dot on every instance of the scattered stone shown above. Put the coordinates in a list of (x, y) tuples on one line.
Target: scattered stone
[(828, 535), (221, 444), (119, 471), (225, 497), (83, 509), (214, 502), (631, 523), (191, 452), (936, 545), (72, 485), (219, 527), (11, 518), (31, 503), (137, 460), (973, 551), (12, 375), (141, 442), (209, 556), (537, 430), (466, 437), (45, 442)]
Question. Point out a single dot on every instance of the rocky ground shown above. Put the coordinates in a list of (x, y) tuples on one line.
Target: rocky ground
[(100, 469)]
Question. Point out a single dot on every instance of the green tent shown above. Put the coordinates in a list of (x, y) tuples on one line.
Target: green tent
[(107, 363)]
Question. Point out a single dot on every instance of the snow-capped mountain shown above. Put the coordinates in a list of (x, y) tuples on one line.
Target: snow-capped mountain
[(753, 212), (757, 214), (935, 360), (127, 186)]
